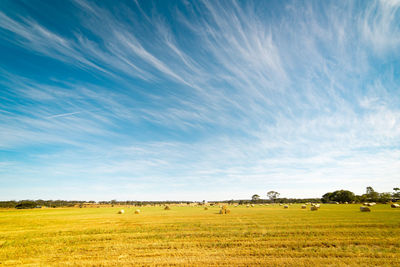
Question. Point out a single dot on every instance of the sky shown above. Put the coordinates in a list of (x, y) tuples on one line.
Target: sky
[(193, 100)]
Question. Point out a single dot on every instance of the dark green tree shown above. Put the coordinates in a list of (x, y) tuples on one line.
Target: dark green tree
[(344, 196), (339, 196), (26, 205), (326, 197)]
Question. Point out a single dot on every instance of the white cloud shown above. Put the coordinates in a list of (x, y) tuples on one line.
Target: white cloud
[(293, 103)]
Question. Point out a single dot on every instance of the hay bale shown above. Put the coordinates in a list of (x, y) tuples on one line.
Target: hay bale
[(316, 205), (121, 212), (280, 204), (303, 206), (395, 205), (252, 205), (248, 206), (314, 208), (286, 207), (346, 202), (224, 210), (137, 211), (205, 208), (365, 209), (167, 208)]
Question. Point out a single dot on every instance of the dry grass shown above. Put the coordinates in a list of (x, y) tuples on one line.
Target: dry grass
[(336, 235)]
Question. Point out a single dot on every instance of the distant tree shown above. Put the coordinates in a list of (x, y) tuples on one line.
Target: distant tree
[(361, 198), (255, 198), (371, 194), (26, 205), (339, 196), (8, 204), (273, 195), (370, 190), (396, 193), (326, 197), (384, 197), (344, 196)]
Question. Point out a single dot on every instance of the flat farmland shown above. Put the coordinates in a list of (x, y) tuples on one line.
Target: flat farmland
[(335, 235)]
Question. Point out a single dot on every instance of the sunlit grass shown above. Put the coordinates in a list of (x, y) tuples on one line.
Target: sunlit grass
[(262, 235)]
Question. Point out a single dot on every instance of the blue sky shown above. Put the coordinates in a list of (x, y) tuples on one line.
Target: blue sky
[(162, 100)]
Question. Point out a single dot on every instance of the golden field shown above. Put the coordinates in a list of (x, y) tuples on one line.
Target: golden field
[(335, 235)]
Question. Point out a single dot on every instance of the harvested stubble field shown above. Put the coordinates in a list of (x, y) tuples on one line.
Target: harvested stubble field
[(335, 235)]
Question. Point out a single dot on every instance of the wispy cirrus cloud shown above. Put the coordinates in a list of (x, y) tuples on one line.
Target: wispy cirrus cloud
[(228, 95)]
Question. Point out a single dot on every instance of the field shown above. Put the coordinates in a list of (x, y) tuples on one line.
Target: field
[(335, 235)]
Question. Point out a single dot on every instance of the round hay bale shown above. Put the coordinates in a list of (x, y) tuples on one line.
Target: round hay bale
[(167, 208), (303, 206), (205, 208), (364, 209), (224, 210), (286, 207), (346, 202), (137, 211), (121, 212), (252, 205), (395, 205), (313, 208), (248, 206), (280, 204)]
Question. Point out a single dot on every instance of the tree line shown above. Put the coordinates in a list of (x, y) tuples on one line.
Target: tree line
[(22, 204), (340, 196), (370, 196)]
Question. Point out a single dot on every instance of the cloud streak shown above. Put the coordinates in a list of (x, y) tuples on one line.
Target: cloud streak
[(228, 94)]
